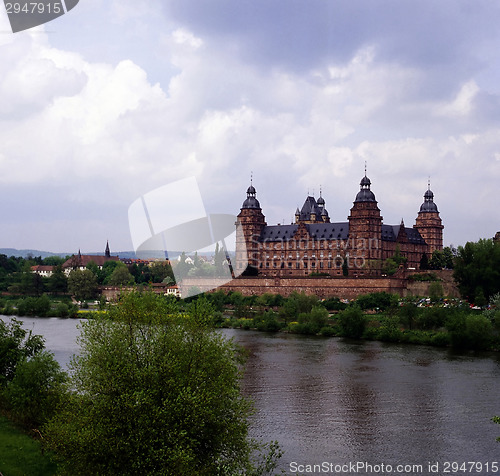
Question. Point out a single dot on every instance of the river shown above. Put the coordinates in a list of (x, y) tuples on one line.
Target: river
[(333, 402)]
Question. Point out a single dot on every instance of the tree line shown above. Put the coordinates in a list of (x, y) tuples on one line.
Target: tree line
[(374, 316), (17, 278)]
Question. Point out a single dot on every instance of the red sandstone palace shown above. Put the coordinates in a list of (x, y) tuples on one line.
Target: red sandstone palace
[(357, 247)]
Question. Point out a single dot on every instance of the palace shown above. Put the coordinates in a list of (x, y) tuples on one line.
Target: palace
[(314, 246)]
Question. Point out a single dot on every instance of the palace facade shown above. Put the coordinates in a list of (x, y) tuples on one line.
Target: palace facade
[(313, 245)]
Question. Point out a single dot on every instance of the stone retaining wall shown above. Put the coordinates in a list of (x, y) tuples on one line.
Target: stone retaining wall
[(323, 287)]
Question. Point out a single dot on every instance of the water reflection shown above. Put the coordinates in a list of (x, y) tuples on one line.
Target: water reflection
[(340, 401)]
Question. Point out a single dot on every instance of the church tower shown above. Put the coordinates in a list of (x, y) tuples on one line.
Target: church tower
[(365, 231), (251, 222), (429, 223), (107, 253)]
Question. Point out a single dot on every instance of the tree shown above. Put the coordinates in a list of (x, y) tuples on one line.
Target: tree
[(161, 270), (314, 320), (121, 277), (156, 392), (54, 261), (438, 260), (477, 270), (92, 266), (35, 392), (16, 344), (107, 270), (449, 254), (58, 281), (424, 261), (470, 331), (435, 291), (82, 284), (379, 301), (352, 322), (31, 381), (391, 265)]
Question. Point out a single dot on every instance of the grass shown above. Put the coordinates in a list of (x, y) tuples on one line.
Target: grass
[(21, 455)]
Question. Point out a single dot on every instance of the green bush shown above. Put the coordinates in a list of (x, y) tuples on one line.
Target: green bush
[(61, 310), (390, 330), (352, 322), (268, 322), (9, 310), (16, 344), (36, 390), (432, 318), (470, 331), (334, 304), (32, 306), (156, 392), (423, 277), (328, 331), (314, 320), (408, 315), (302, 328), (379, 301), (440, 339)]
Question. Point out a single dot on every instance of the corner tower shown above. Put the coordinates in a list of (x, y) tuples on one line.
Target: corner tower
[(365, 230), (429, 223), (251, 222)]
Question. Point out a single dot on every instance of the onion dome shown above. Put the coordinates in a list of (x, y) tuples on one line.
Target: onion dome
[(428, 205), (321, 201), (251, 201), (365, 194)]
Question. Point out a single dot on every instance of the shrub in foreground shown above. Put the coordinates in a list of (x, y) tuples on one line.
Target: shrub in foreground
[(156, 392)]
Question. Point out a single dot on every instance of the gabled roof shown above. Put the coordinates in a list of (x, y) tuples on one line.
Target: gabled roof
[(81, 261), (318, 231), (391, 232), (310, 206), (40, 268)]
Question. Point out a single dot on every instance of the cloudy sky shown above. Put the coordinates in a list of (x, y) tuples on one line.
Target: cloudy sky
[(119, 97)]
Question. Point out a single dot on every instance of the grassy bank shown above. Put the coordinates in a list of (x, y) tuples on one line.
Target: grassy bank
[(21, 455)]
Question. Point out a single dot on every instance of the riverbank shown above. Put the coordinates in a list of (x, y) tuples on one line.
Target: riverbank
[(377, 316), (20, 454)]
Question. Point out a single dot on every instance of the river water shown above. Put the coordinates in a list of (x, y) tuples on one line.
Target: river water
[(332, 402)]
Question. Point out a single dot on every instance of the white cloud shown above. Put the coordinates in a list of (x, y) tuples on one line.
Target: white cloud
[(463, 102), (184, 37)]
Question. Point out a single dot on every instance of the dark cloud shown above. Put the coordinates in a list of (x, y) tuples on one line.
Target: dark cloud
[(298, 34)]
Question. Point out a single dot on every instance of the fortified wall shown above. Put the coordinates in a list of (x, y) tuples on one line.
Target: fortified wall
[(326, 287), (323, 287)]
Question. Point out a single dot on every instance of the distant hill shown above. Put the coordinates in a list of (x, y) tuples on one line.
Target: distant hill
[(25, 253), (46, 254), (121, 254)]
